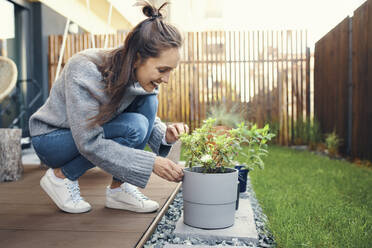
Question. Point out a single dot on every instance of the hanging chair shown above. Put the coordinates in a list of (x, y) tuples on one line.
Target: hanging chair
[(8, 76)]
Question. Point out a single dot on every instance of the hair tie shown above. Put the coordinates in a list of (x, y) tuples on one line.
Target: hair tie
[(154, 16)]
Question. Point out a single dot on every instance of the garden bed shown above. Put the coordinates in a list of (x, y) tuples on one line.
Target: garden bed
[(164, 232)]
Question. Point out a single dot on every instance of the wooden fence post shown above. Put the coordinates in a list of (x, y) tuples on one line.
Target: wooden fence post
[(350, 90)]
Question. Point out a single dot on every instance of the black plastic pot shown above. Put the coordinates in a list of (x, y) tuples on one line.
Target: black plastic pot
[(243, 175), (237, 197)]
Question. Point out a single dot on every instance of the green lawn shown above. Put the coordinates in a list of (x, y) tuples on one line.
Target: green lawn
[(313, 201)]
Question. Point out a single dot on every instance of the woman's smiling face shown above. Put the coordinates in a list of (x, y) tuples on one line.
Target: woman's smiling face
[(154, 71)]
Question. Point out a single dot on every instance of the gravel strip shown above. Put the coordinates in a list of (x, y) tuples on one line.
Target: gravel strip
[(164, 230)]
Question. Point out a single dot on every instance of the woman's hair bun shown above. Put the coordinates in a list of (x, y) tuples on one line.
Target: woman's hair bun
[(149, 10)]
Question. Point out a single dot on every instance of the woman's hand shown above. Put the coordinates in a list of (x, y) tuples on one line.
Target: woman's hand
[(167, 169), (174, 131)]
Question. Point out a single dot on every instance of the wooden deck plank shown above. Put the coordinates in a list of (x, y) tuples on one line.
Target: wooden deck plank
[(29, 218), (70, 239)]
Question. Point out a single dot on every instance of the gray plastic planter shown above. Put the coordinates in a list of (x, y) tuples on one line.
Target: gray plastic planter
[(209, 199)]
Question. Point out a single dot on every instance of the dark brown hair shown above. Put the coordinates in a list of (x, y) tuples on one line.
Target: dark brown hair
[(148, 39)]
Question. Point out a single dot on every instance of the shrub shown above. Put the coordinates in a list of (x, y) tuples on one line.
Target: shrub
[(214, 151), (301, 130), (332, 142), (224, 117), (315, 134)]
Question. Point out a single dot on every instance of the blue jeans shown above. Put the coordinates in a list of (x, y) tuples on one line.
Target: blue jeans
[(131, 128)]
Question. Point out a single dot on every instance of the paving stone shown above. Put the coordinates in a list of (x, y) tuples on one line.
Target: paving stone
[(244, 227)]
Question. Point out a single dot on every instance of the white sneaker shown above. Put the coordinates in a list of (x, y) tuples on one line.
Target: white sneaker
[(128, 197), (65, 193)]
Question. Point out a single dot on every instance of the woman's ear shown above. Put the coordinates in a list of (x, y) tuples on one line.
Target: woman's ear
[(138, 61)]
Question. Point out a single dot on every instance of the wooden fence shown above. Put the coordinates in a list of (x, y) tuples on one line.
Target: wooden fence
[(265, 74), (342, 82), (331, 78)]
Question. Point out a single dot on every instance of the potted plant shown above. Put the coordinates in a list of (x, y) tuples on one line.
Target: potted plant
[(210, 181), (256, 140)]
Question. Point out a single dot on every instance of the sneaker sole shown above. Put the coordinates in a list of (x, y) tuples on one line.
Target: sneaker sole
[(123, 206), (45, 185)]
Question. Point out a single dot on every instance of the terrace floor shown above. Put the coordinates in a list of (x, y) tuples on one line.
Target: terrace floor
[(28, 218)]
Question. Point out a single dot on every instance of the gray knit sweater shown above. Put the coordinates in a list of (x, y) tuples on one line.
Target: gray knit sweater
[(70, 105)]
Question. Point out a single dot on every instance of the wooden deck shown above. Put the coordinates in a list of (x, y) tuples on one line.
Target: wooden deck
[(28, 218)]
